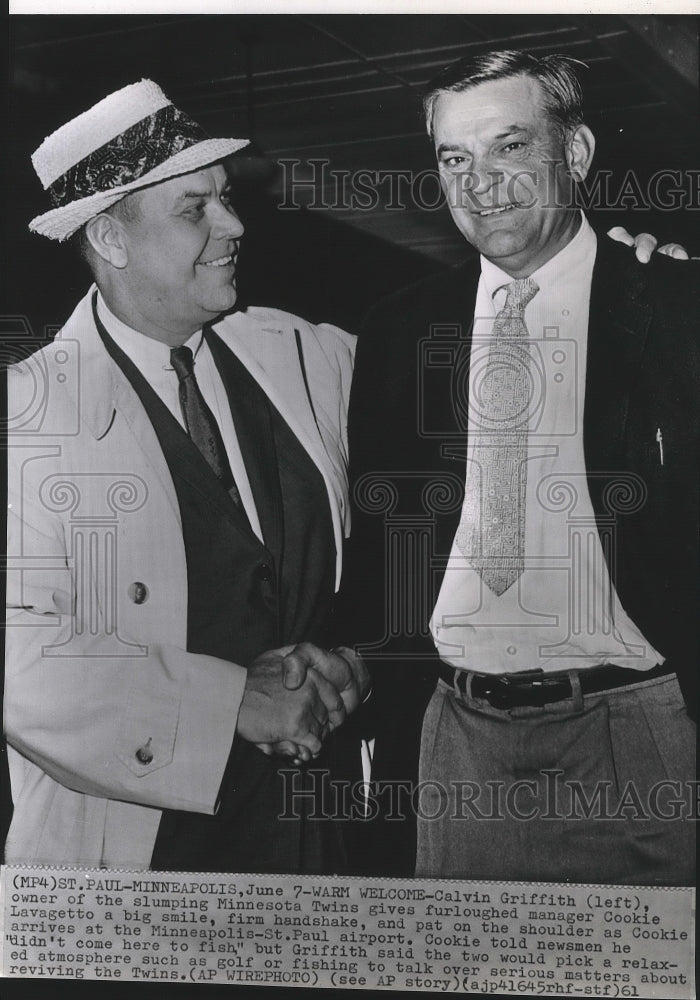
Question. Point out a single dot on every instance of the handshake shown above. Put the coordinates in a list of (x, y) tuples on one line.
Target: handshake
[(295, 696)]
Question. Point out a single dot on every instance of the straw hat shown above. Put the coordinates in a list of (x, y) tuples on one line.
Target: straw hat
[(133, 138)]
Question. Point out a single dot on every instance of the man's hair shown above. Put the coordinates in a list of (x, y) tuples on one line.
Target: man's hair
[(556, 75), (127, 209)]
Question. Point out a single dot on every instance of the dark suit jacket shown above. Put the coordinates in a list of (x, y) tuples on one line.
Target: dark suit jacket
[(408, 422)]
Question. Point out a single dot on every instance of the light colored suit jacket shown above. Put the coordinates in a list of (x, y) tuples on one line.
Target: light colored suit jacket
[(109, 719)]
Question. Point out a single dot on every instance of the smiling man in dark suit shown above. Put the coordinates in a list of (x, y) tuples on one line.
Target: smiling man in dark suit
[(524, 438)]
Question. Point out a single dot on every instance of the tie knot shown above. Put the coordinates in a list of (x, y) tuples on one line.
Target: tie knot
[(518, 294), (182, 360)]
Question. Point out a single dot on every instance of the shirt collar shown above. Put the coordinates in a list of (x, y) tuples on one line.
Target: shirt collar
[(145, 352), (565, 266)]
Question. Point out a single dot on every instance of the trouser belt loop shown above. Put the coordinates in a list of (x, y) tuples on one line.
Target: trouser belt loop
[(463, 683), (576, 692), (459, 681)]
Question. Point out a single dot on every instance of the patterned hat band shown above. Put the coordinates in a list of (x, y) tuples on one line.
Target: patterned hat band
[(129, 156)]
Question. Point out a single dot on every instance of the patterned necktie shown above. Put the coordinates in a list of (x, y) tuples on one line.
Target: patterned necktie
[(491, 533), (200, 422)]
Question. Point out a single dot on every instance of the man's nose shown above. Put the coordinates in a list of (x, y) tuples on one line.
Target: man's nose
[(484, 175), (226, 224), (478, 186)]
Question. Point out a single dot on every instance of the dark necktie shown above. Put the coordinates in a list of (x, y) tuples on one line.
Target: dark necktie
[(492, 530), (200, 422)]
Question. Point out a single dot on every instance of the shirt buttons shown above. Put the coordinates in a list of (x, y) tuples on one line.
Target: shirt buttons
[(138, 592), (144, 754)]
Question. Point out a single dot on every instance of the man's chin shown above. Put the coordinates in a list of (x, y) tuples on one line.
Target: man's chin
[(499, 245), (221, 304)]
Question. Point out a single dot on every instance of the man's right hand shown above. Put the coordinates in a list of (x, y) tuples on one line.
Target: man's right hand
[(339, 672), (271, 713), (340, 666)]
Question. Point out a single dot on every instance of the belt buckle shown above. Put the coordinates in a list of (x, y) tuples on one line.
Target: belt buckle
[(531, 688)]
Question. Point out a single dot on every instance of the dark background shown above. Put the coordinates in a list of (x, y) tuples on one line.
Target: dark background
[(344, 88)]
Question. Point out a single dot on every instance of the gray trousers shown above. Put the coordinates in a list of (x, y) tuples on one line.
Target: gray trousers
[(597, 788)]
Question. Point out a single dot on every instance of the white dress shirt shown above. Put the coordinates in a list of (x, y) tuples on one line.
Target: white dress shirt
[(152, 358), (563, 612)]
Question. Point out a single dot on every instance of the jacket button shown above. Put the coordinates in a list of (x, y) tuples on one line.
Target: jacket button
[(264, 572), (144, 754), (138, 592)]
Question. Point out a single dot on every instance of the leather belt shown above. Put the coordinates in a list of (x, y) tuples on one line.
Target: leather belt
[(537, 688)]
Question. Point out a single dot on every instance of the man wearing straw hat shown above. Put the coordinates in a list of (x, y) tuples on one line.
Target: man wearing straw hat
[(176, 515)]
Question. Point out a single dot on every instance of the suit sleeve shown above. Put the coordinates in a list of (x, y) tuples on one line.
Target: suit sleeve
[(152, 724)]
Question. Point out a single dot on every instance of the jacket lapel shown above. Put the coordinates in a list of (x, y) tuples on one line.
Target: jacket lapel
[(270, 356), (264, 342), (619, 318), (452, 408), (182, 456), (253, 422), (102, 388)]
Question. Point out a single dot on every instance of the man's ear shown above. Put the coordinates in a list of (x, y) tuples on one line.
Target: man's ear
[(580, 148), (107, 238)]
